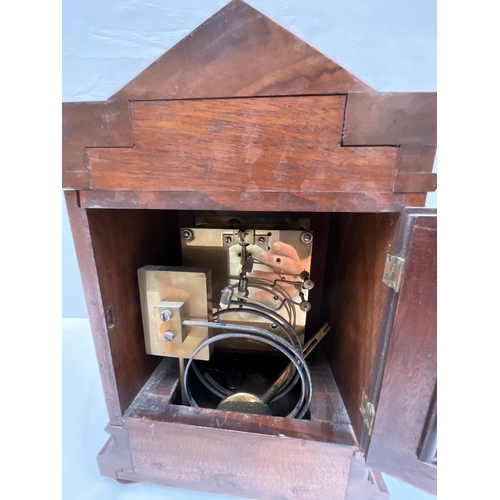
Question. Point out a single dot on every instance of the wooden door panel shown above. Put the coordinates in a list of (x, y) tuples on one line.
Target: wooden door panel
[(406, 400)]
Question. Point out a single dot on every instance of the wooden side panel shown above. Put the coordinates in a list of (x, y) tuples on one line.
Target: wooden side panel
[(240, 52), (91, 124), (263, 145), (237, 463), (410, 372), (354, 298), (88, 272), (122, 242)]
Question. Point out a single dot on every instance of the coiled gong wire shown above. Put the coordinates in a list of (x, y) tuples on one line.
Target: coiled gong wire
[(290, 346)]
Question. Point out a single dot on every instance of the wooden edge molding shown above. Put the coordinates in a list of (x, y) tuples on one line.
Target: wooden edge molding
[(416, 158), (108, 124), (234, 200), (415, 182), (390, 119), (91, 124), (404, 119)]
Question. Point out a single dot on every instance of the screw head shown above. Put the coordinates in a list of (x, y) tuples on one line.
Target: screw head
[(187, 235), (306, 237), (308, 284), (305, 306), (228, 239), (168, 336), (165, 315), (262, 239)]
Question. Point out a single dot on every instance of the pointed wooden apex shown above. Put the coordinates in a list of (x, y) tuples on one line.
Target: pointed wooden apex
[(239, 52)]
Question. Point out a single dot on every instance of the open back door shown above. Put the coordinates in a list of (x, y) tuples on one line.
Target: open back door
[(403, 439)]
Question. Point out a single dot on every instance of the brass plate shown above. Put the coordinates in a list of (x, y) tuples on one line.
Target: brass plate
[(175, 284), (218, 250)]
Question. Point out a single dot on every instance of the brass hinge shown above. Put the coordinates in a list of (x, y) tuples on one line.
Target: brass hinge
[(368, 411), (393, 271)]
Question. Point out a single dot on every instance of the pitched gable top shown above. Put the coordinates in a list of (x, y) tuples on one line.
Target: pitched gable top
[(239, 52)]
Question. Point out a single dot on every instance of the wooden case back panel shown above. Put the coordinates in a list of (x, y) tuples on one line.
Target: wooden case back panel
[(410, 372), (354, 298), (123, 241), (254, 145)]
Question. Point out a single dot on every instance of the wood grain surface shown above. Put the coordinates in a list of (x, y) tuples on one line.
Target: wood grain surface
[(416, 158), (264, 145), (91, 124), (329, 422), (240, 52), (237, 463), (405, 119), (278, 201), (93, 298), (415, 182), (122, 242), (410, 372), (354, 298), (391, 118)]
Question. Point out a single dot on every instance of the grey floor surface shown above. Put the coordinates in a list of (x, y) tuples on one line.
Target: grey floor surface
[(84, 418)]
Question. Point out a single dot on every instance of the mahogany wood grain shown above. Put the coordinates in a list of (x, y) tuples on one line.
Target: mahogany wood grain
[(354, 298), (115, 454), (410, 371), (122, 242), (390, 118), (415, 182), (240, 52), (267, 144), (329, 422), (236, 463), (91, 124), (278, 201), (408, 120), (326, 404), (93, 298), (416, 158)]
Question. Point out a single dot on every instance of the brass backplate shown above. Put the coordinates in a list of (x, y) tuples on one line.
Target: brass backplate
[(219, 250), (192, 288)]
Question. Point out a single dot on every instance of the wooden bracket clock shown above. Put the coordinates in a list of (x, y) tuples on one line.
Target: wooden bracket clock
[(240, 199)]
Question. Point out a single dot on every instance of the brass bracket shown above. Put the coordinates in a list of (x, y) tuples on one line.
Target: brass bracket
[(393, 271), (172, 323)]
